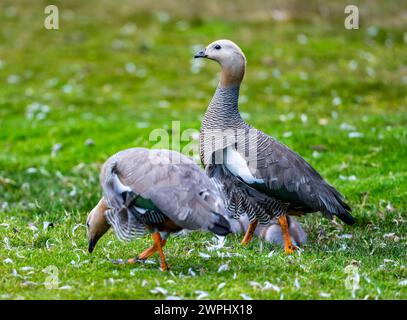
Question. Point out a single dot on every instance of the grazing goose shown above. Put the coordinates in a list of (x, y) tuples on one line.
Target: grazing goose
[(157, 190), (258, 174)]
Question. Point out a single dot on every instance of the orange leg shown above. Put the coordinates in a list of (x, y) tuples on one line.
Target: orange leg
[(157, 242), (249, 233), (147, 253), (288, 245)]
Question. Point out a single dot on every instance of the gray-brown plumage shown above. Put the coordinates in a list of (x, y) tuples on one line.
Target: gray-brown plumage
[(159, 190), (257, 174)]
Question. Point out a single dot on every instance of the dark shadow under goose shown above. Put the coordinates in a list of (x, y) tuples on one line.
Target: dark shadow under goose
[(258, 175), (161, 191)]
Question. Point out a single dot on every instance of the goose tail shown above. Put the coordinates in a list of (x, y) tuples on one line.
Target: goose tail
[(334, 204)]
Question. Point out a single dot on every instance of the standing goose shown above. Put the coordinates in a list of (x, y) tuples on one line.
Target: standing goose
[(157, 190), (257, 174)]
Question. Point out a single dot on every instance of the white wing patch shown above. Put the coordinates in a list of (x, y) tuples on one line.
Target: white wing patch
[(141, 210), (237, 165), (118, 186)]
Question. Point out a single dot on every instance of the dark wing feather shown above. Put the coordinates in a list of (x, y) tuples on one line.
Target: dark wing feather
[(290, 178)]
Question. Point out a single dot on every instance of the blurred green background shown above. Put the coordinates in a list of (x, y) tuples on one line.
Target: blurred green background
[(114, 71)]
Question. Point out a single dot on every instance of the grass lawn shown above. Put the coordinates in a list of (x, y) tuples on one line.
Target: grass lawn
[(69, 98)]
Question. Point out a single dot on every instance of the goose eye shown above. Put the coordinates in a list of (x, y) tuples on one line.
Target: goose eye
[(217, 47)]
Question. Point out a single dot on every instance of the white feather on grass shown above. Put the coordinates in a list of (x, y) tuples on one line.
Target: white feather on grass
[(223, 267), (159, 290), (201, 294), (221, 286)]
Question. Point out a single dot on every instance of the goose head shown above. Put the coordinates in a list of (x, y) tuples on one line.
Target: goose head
[(97, 224), (231, 59)]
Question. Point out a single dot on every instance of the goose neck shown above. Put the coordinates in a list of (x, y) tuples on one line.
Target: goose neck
[(223, 108)]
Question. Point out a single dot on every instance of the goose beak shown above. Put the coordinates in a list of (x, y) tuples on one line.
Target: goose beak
[(201, 54), (91, 245)]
